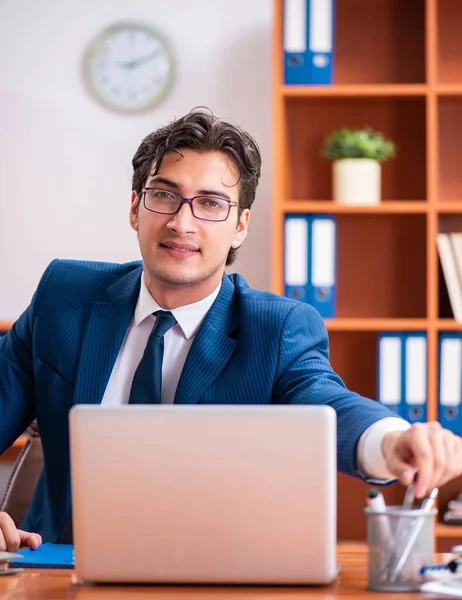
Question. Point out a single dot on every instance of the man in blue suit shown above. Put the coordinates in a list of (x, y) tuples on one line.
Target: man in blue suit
[(86, 331)]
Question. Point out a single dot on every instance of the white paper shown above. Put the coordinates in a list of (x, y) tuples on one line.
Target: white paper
[(442, 589)]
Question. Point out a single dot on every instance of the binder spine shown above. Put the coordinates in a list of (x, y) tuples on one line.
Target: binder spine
[(295, 37), (414, 407), (450, 381), (296, 257), (308, 40), (390, 370), (322, 289), (321, 39)]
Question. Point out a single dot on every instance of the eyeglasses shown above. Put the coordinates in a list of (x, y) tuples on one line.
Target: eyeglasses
[(205, 208)]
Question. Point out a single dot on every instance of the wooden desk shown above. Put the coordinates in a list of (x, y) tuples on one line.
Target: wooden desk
[(57, 584)]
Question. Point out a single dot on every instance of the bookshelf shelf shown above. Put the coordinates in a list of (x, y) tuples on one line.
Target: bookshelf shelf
[(365, 90), (450, 207), (19, 443), (328, 206), (448, 325), (387, 272), (11, 454), (454, 89), (448, 531), (377, 324)]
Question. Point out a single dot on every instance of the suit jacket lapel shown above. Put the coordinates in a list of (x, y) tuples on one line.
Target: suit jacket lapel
[(212, 347), (104, 334)]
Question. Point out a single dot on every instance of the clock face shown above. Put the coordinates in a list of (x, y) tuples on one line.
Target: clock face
[(129, 67)]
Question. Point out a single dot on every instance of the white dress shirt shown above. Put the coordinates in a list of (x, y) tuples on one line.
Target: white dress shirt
[(177, 343)]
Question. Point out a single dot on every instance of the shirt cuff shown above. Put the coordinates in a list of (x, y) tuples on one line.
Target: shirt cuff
[(371, 462)]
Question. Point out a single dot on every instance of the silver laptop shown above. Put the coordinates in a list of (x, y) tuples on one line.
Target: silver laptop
[(204, 494)]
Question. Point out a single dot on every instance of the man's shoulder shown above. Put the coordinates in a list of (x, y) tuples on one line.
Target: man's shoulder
[(268, 315), (261, 300), (73, 280), (82, 270)]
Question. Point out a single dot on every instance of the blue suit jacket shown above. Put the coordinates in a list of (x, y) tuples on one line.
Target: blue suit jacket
[(252, 348)]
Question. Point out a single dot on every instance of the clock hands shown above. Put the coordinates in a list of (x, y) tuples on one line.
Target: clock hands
[(132, 64)]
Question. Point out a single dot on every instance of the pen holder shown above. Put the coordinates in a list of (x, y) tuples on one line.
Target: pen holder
[(399, 542)]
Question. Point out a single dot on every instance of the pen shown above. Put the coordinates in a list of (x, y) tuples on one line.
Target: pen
[(408, 503), (409, 497), (416, 525), (400, 529), (453, 567), (376, 503)]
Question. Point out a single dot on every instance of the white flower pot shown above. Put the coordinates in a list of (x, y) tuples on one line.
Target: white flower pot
[(356, 181)]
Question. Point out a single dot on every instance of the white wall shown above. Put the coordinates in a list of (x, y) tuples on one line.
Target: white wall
[(65, 162)]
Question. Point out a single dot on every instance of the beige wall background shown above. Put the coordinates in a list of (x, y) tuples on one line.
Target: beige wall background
[(65, 162)]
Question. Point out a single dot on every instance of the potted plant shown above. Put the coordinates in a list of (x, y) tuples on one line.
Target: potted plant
[(356, 169)]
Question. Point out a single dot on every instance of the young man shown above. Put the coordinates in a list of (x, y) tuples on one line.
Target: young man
[(86, 334)]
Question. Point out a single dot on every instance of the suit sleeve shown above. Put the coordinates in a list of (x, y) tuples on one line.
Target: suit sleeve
[(305, 376), (17, 401)]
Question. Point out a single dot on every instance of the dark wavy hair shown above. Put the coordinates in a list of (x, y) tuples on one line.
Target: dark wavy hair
[(200, 130)]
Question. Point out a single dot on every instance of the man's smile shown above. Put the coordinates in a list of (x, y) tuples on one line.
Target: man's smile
[(179, 250)]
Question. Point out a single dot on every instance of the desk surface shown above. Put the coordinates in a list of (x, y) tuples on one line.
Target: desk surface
[(57, 584)]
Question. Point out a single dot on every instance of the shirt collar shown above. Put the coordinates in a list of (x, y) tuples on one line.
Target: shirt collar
[(189, 317)]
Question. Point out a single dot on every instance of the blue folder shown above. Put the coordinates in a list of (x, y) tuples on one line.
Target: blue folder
[(308, 41), (449, 381), (414, 391), (310, 261), (297, 257), (47, 556), (390, 370)]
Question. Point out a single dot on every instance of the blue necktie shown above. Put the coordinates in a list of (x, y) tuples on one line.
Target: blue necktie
[(147, 381)]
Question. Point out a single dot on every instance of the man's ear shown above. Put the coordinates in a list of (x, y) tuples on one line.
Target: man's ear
[(134, 207), (241, 229)]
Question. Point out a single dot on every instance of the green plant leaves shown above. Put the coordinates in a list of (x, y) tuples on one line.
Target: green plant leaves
[(358, 143)]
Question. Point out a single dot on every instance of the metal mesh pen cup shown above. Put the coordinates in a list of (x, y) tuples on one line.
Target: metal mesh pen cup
[(400, 543)]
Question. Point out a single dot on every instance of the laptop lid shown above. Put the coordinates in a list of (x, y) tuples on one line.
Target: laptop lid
[(204, 494)]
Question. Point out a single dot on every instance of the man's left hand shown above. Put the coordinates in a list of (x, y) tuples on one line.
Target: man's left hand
[(435, 453)]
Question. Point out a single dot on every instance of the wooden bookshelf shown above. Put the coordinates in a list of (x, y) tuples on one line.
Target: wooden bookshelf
[(339, 324), (448, 531), (327, 206), (12, 453), (379, 90), (398, 69)]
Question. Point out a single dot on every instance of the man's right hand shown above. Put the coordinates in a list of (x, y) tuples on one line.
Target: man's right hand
[(11, 539)]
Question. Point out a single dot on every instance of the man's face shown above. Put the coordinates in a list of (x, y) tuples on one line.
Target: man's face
[(179, 250)]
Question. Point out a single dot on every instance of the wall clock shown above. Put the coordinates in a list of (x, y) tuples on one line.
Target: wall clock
[(129, 67)]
